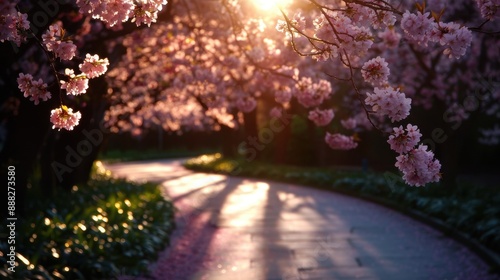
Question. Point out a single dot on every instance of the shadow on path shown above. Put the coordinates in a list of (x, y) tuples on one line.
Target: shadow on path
[(241, 229)]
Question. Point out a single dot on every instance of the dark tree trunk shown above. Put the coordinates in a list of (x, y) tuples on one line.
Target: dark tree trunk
[(25, 137), (229, 141), (76, 151), (281, 144)]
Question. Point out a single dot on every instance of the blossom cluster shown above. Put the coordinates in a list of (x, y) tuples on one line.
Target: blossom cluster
[(417, 164), (94, 67), (376, 71), (34, 89), (321, 117), (114, 12), (13, 24), (422, 28), (339, 141), (390, 102), (63, 117), (489, 9), (390, 38), (76, 84), (402, 140), (344, 34), (311, 94), (55, 41)]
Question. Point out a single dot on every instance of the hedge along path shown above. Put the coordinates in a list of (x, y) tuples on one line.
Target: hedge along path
[(235, 228)]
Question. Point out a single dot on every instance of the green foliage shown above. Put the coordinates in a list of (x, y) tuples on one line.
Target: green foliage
[(473, 210), (98, 231)]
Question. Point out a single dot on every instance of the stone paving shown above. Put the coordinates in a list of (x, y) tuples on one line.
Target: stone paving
[(245, 229)]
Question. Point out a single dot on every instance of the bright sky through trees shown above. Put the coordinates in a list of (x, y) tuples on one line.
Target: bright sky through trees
[(268, 5)]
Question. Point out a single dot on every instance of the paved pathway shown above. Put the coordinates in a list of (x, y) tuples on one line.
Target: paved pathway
[(244, 229)]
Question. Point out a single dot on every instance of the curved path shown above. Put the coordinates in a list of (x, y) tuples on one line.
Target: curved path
[(246, 229)]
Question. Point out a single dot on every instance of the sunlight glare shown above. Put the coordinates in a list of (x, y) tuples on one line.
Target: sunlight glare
[(267, 5)]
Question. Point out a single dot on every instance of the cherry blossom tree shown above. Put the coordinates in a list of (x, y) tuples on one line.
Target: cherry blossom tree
[(359, 41)]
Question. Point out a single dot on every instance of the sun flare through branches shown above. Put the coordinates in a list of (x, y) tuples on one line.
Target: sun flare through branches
[(267, 5)]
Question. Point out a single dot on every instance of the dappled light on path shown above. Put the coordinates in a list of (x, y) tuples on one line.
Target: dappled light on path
[(232, 228)]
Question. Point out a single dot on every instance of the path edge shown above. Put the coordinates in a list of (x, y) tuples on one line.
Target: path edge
[(489, 256)]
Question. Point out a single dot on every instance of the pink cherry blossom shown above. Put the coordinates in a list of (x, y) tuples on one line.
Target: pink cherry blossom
[(281, 26), (12, 23), (389, 102), (311, 94), (403, 141), (115, 12), (54, 40), (93, 67), (390, 38), (321, 117), (51, 36), (339, 141), (456, 40), (63, 117), (419, 166), (417, 27), (35, 90), (112, 12), (375, 71), (65, 50), (76, 84), (489, 9)]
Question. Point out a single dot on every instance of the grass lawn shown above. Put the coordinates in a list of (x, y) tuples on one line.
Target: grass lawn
[(97, 231)]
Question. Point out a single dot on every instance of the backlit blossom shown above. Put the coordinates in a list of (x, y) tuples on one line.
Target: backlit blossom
[(76, 84), (281, 26), (63, 117), (93, 67), (114, 12)]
